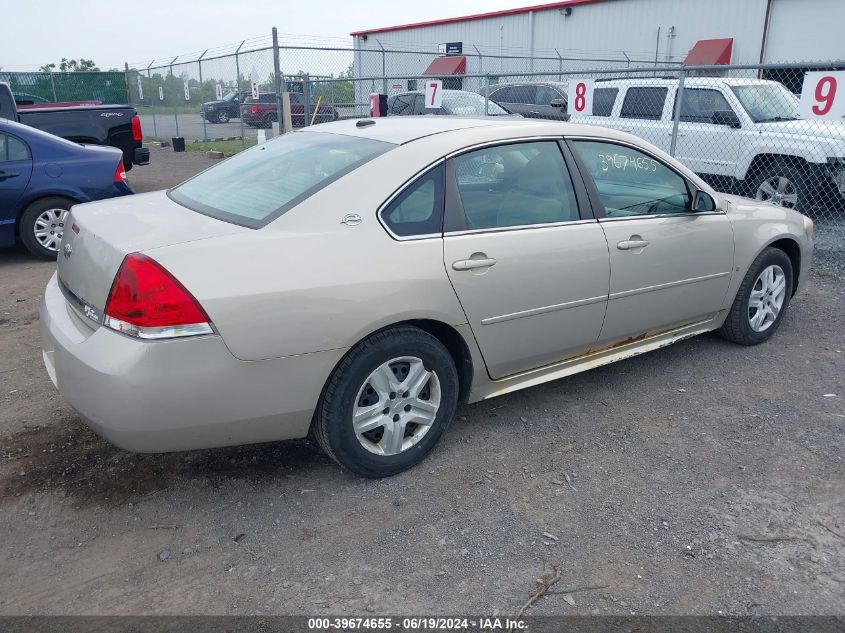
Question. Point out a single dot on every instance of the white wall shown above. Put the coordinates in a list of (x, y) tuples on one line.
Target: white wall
[(802, 30)]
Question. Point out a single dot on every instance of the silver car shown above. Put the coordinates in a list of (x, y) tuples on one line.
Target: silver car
[(355, 281)]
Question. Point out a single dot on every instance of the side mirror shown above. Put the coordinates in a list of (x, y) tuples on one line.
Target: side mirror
[(703, 201), (726, 117), (558, 103)]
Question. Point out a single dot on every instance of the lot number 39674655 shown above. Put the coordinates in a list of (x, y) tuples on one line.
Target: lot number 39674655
[(823, 95)]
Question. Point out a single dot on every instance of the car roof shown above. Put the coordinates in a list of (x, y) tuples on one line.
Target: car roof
[(405, 129)]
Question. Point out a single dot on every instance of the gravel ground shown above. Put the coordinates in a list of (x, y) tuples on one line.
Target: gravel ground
[(702, 478)]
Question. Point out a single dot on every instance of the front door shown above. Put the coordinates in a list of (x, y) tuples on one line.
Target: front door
[(702, 146), (530, 271), (669, 266)]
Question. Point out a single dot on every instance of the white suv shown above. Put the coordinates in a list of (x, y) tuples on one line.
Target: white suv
[(746, 131)]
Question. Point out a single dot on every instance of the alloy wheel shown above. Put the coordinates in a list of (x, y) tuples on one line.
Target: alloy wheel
[(767, 297), (778, 190)]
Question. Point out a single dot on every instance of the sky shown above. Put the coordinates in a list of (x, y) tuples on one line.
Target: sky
[(37, 33)]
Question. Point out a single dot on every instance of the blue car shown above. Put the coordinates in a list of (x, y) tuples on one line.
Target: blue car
[(42, 176)]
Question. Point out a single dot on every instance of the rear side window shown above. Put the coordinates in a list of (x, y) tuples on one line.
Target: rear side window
[(258, 185), (545, 95), (418, 210), (603, 100), (644, 103), (402, 104), (12, 148)]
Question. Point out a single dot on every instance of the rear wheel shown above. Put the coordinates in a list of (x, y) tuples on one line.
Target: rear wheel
[(388, 402), (761, 301), (267, 122), (42, 226)]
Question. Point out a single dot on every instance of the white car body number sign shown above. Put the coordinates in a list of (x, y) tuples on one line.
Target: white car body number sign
[(187, 92), (160, 93), (433, 93), (254, 81), (218, 92), (580, 97), (823, 95)]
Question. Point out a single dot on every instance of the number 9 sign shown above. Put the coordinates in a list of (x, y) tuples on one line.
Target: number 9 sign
[(580, 97), (823, 95)]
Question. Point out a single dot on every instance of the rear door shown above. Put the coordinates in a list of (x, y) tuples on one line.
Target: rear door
[(645, 113), (669, 265), (15, 172), (526, 259), (518, 99)]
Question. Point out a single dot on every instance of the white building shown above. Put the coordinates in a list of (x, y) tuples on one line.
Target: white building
[(565, 35)]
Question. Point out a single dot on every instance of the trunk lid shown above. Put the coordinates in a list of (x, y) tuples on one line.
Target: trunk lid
[(98, 235)]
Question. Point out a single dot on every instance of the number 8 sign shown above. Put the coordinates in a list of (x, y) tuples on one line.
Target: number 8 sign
[(823, 95), (580, 97)]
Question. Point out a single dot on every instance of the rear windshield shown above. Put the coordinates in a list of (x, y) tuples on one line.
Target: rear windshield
[(258, 185)]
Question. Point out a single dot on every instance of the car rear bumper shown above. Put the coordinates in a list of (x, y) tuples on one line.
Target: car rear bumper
[(151, 397)]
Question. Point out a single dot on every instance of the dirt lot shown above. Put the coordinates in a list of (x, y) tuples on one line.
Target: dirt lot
[(698, 479)]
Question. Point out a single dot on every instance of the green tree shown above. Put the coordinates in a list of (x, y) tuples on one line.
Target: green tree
[(71, 66)]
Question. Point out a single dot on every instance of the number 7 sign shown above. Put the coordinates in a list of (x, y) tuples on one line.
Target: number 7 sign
[(823, 95), (433, 93)]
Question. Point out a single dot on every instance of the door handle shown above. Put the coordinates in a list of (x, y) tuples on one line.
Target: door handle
[(8, 174), (533, 112), (627, 245), (470, 264)]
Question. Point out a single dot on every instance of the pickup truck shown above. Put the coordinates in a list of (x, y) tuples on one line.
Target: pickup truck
[(115, 125), (262, 113), (229, 107), (743, 135)]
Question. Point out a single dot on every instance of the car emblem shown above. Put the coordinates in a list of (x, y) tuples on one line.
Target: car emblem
[(67, 249), (351, 219)]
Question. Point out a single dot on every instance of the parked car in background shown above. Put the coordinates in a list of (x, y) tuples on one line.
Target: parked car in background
[(455, 102), (42, 176), (535, 100), (229, 107), (263, 113), (356, 282), (740, 134), (115, 125)]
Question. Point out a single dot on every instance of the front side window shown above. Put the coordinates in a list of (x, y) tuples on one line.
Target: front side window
[(418, 210), (603, 100), (698, 105), (258, 185), (644, 103), (632, 183), (515, 185), (545, 95)]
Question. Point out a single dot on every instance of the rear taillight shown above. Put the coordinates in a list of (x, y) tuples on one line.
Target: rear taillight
[(137, 134), (120, 172), (255, 109), (146, 301)]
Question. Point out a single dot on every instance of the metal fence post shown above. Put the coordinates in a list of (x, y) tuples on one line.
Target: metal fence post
[(383, 68), (175, 107), (152, 98), (679, 102), (278, 73), (53, 86), (306, 98), (199, 65), (559, 66), (486, 95), (480, 60), (126, 79), (238, 90)]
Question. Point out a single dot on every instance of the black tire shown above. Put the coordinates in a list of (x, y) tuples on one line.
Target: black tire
[(268, 121), (26, 227), (223, 116), (332, 425), (799, 179), (737, 327)]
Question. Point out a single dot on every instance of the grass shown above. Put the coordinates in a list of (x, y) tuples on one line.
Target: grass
[(227, 147)]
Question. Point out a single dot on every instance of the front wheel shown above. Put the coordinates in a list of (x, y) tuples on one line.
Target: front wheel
[(783, 185), (387, 403), (761, 301), (222, 116), (42, 226)]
